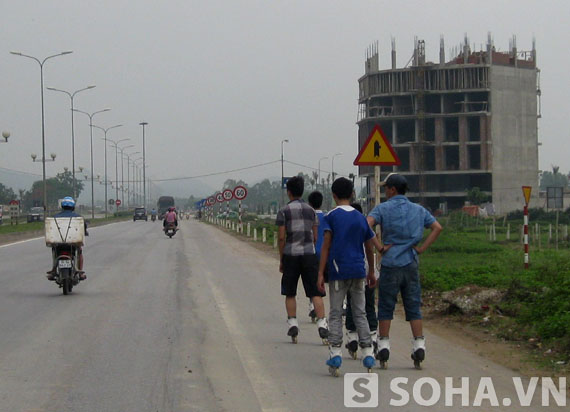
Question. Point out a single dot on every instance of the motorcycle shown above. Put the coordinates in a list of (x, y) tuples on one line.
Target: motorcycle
[(67, 275), (65, 237), (153, 217), (170, 229)]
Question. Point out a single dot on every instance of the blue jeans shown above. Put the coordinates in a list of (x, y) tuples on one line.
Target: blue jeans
[(405, 280)]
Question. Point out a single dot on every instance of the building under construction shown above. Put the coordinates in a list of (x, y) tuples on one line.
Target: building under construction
[(470, 121)]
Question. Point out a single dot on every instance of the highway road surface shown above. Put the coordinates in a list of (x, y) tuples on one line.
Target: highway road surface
[(196, 323)]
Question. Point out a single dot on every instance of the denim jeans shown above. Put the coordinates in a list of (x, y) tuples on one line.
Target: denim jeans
[(405, 280)]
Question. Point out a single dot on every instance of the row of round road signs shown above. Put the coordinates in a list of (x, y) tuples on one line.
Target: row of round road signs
[(238, 193)]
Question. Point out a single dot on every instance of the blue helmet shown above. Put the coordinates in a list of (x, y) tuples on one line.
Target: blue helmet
[(68, 202)]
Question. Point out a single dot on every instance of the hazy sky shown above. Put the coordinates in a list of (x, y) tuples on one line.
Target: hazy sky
[(221, 83)]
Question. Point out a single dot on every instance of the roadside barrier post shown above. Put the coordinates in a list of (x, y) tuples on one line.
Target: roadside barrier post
[(255, 234), (264, 235), (248, 229), (275, 240)]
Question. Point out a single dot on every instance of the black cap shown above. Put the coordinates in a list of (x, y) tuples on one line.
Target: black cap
[(397, 181)]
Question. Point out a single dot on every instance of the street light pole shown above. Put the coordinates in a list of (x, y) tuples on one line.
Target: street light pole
[(143, 124), (105, 138), (41, 63), (91, 139), (129, 178), (282, 173), (116, 145), (122, 149), (322, 158), (5, 135), (332, 166), (71, 96)]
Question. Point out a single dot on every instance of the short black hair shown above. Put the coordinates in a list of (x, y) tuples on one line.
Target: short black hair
[(342, 188), (296, 185), (316, 199), (398, 182), (357, 206)]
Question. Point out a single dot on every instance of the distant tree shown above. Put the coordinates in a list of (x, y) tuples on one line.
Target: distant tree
[(553, 179), (56, 188), (476, 197), (6, 194)]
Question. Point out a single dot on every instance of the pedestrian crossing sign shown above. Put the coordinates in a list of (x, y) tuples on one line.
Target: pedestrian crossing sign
[(377, 151)]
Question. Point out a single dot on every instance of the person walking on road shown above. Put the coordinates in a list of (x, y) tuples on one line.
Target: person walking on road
[(297, 223), (402, 223), (346, 233), (316, 201)]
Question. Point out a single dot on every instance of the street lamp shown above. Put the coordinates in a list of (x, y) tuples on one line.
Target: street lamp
[(116, 145), (143, 124), (71, 96), (128, 177), (5, 135), (105, 138), (41, 63), (322, 158), (123, 174), (282, 172), (92, 171), (332, 166), (35, 159), (138, 177)]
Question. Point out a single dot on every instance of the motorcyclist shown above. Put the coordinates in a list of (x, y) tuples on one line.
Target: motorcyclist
[(68, 207), (153, 214), (170, 218)]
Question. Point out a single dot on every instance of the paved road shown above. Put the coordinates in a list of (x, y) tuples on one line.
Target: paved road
[(193, 323)]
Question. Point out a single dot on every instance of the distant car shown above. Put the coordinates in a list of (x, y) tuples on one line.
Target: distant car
[(140, 214), (232, 215), (36, 214)]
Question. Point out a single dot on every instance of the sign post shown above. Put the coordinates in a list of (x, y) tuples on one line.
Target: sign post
[(526, 192), (14, 211), (240, 193), (377, 151)]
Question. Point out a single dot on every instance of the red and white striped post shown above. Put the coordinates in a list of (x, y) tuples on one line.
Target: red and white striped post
[(526, 192), (240, 224), (525, 213)]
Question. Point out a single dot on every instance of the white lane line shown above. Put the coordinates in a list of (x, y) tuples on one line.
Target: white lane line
[(262, 384), (19, 242)]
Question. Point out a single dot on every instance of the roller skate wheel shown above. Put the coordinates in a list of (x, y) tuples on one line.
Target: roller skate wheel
[(334, 371), (353, 355), (369, 370), (294, 339), (383, 364), (418, 365), (325, 341)]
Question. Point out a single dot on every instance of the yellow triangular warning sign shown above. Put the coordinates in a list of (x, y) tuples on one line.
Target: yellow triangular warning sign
[(526, 192), (376, 151)]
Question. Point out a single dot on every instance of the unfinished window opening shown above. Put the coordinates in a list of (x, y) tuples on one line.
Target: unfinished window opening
[(404, 155), (482, 181), (452, 129), (433, 103), (453, 102), (429, 158), (478, 102), (386, 127), (380, 106), (452, 158), (403, 105), (474, 157), (406, 131), (474, 129), (429, 130)]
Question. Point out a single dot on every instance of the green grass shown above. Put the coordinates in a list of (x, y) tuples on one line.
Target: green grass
[(537, 302), (22, 227)]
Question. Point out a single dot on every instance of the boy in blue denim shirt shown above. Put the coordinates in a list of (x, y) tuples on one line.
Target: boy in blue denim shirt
[(402, 224)]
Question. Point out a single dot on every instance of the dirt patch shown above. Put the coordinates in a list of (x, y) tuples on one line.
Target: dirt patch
[(19, 236)]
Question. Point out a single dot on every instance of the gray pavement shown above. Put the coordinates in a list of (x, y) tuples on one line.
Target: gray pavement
[(192, 323)]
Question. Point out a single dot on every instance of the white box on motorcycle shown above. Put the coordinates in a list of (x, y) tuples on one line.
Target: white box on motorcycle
[(68, 230)]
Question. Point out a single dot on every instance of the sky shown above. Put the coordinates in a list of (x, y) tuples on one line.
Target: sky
[(222, 82)]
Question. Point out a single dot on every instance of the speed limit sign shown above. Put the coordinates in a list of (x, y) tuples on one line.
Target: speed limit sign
[(211, 201), (219, 198), (240, 192), (228, 195)]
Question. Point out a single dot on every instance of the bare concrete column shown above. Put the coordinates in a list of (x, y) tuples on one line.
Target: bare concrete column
[(439, 150), (255, 234), (463, 159)]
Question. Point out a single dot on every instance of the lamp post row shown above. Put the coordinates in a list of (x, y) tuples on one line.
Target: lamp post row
[(43, 159)]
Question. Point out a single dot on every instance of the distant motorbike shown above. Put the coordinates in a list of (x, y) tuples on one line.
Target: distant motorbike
[(170, 229), (153, 217)]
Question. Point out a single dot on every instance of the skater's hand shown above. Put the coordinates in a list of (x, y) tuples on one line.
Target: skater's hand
[(419, 250), (321, 283), (384, 249), (371, 279)]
